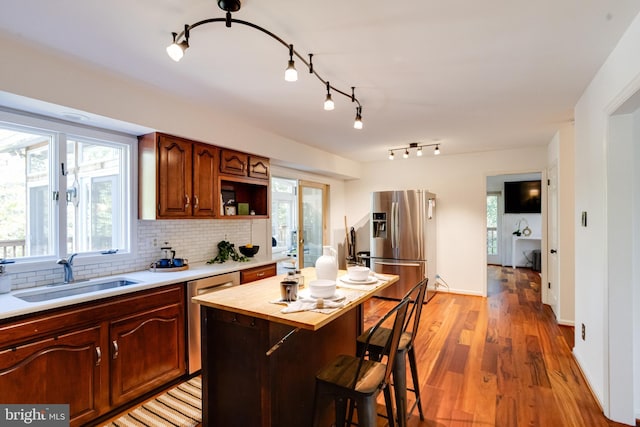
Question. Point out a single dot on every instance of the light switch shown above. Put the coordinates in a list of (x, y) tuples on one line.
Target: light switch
[(584, 218)]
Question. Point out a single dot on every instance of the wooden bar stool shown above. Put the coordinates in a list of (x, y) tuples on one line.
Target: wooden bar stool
[(359, 380), (376, 349)]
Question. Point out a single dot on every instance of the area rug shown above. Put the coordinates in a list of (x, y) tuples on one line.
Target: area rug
[(181, 406)]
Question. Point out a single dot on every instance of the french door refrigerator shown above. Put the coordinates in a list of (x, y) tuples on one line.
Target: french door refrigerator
[(403, 238)]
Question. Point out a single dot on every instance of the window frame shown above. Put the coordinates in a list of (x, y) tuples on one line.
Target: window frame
[(61, 131)]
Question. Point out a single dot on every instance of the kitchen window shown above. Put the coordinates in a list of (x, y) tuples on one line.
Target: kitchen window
[(63, 189)]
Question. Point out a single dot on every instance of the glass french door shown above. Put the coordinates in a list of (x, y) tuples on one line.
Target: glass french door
[(312, 221)]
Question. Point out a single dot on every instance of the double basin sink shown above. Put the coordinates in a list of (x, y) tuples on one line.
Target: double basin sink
[(56, 291)]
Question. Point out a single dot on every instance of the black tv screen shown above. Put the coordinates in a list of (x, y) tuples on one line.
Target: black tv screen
[(522, 197)]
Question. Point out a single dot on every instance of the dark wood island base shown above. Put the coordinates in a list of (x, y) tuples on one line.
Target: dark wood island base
[(259, 364), (242, 386)]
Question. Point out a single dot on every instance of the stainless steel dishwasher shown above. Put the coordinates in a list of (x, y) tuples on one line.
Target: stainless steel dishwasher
[(199, 287)]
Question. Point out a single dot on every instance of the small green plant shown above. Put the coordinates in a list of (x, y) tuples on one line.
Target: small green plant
[(226, 251)]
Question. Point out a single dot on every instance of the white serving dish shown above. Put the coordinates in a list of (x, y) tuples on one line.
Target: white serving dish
[(322, 288), (358, 273)]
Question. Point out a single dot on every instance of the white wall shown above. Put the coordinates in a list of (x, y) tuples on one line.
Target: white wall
[(635, 265), (459, 182), (615, 82)]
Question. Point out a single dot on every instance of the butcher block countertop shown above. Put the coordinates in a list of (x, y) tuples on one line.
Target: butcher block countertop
[(255, 299)]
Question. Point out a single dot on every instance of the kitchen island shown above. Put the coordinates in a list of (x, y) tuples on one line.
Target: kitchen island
[(250, 380)]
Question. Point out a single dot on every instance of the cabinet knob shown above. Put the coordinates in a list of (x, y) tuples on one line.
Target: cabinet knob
[(98, 356), (187, 200), (195, 201)]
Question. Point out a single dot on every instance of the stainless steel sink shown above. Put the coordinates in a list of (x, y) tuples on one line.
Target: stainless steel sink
[(61, 291)]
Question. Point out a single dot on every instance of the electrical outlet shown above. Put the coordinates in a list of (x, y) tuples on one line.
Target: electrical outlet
[(584, 332)]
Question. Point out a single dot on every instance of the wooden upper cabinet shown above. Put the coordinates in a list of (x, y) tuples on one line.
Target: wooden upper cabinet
[(234, 163), (177, 178), (205, 162), (175, 157), (258, 167)]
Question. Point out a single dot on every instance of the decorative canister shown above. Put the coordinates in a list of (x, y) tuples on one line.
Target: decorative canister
[(327, 264)]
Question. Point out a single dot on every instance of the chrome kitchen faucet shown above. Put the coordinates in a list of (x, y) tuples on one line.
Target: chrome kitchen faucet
[(68, 268)]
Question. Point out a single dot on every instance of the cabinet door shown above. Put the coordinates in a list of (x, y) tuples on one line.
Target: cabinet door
[(147, 351), (233, 163), (258, 167), (204, 178), (174, 177), (70, 368)]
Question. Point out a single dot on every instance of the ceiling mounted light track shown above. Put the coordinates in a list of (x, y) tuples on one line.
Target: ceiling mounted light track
[(181, 43), (414, 146)]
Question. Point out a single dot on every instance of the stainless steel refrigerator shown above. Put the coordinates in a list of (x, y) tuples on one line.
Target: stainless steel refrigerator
[(403, 238)]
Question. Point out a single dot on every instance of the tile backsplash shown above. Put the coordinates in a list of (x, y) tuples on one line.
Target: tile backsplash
[(195, 240)]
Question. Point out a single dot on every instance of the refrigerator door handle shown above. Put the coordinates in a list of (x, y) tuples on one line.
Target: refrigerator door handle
[(399, 264), (393, 225), (396, 226)]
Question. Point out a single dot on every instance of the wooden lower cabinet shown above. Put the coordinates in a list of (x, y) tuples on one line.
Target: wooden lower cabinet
[(70, 368), (147, 351), (94, 356)]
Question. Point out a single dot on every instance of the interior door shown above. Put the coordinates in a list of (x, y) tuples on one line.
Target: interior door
[(553, 285), (312, 223)]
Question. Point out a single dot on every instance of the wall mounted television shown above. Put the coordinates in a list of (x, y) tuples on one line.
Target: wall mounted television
[(522, 197)]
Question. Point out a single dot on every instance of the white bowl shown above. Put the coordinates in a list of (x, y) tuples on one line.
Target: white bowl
[(322, 288), (358, 273)]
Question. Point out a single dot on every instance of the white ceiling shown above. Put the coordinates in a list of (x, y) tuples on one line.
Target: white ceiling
[(472, 75)]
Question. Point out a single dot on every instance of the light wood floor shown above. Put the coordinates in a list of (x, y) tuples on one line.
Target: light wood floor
[(497, 361)]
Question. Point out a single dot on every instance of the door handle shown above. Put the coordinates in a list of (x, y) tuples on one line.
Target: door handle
[(553, 251)]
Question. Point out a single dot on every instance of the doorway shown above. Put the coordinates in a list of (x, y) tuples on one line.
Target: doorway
[(514, 237), (299, 219)]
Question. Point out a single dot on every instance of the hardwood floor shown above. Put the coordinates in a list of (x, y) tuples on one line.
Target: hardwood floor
[(496, 361)]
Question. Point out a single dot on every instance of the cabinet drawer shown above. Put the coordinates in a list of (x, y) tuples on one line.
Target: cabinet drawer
[(257, 273)]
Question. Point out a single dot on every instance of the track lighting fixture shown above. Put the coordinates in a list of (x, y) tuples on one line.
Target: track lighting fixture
[(328, 102), (181, 43), (176, 50), (357, 124), (291, 74), (417, 147)]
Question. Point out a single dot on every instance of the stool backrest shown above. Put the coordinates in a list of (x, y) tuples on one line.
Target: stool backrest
[(416, 310), (391, 347)]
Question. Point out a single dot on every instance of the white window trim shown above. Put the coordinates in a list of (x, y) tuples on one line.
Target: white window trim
[(11, 118)]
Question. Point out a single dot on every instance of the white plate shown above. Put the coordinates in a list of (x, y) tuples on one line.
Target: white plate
[(370, 281), (305, 294)]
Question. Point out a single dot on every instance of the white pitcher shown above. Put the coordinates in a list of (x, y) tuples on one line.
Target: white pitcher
[(327, 264)]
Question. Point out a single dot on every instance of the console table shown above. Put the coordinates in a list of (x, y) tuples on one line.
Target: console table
[(514, 245)]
